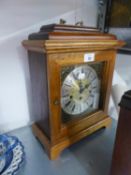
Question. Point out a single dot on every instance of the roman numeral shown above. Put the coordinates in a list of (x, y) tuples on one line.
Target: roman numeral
[(68, 85), (68, 103), (73, 107), (74, 76)]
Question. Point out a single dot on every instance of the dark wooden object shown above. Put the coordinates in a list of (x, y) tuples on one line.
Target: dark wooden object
[(46, 59), (117, 22), (65, 32), (121, 163)]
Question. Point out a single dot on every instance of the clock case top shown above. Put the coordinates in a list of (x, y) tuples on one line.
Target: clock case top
[(50, 49), (56, 38)]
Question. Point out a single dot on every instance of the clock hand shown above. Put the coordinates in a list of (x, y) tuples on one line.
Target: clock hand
[(82, 89)]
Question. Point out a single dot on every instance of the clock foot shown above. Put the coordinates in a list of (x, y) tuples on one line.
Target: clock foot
[(54, 150)]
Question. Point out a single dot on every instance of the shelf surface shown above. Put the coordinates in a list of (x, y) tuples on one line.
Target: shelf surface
[(90, 156)]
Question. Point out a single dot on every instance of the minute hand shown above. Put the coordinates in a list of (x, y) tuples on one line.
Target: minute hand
[(86, 87)]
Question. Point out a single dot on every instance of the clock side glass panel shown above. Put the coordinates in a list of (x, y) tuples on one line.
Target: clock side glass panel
[(80, 90)]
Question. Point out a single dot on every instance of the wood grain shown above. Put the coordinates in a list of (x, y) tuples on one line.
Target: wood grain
[(121, 161), (39, 87), (47, 58), (54, 150), (58, 46)]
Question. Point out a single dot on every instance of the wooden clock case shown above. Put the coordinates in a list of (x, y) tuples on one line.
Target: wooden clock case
[(53, 47)]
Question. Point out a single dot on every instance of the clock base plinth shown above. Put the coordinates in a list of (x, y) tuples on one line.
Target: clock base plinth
[(54, 150)]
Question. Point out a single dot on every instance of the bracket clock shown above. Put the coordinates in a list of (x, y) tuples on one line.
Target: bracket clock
[(71, 70)]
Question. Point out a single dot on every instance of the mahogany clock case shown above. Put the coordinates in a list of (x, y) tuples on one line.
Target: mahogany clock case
[(48, 59)]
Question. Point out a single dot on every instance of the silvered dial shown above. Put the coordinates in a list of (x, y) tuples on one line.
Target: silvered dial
[(80, 91)]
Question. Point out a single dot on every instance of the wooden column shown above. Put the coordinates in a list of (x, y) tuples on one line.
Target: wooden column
[(121, 163)]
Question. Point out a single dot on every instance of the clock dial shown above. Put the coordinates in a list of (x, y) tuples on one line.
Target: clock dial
[(80, 91)]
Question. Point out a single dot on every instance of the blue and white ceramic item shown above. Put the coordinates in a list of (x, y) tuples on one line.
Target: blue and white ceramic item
[(11, 155), (6, 146)]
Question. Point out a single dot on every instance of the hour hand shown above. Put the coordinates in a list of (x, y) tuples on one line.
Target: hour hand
[(87, 85)]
